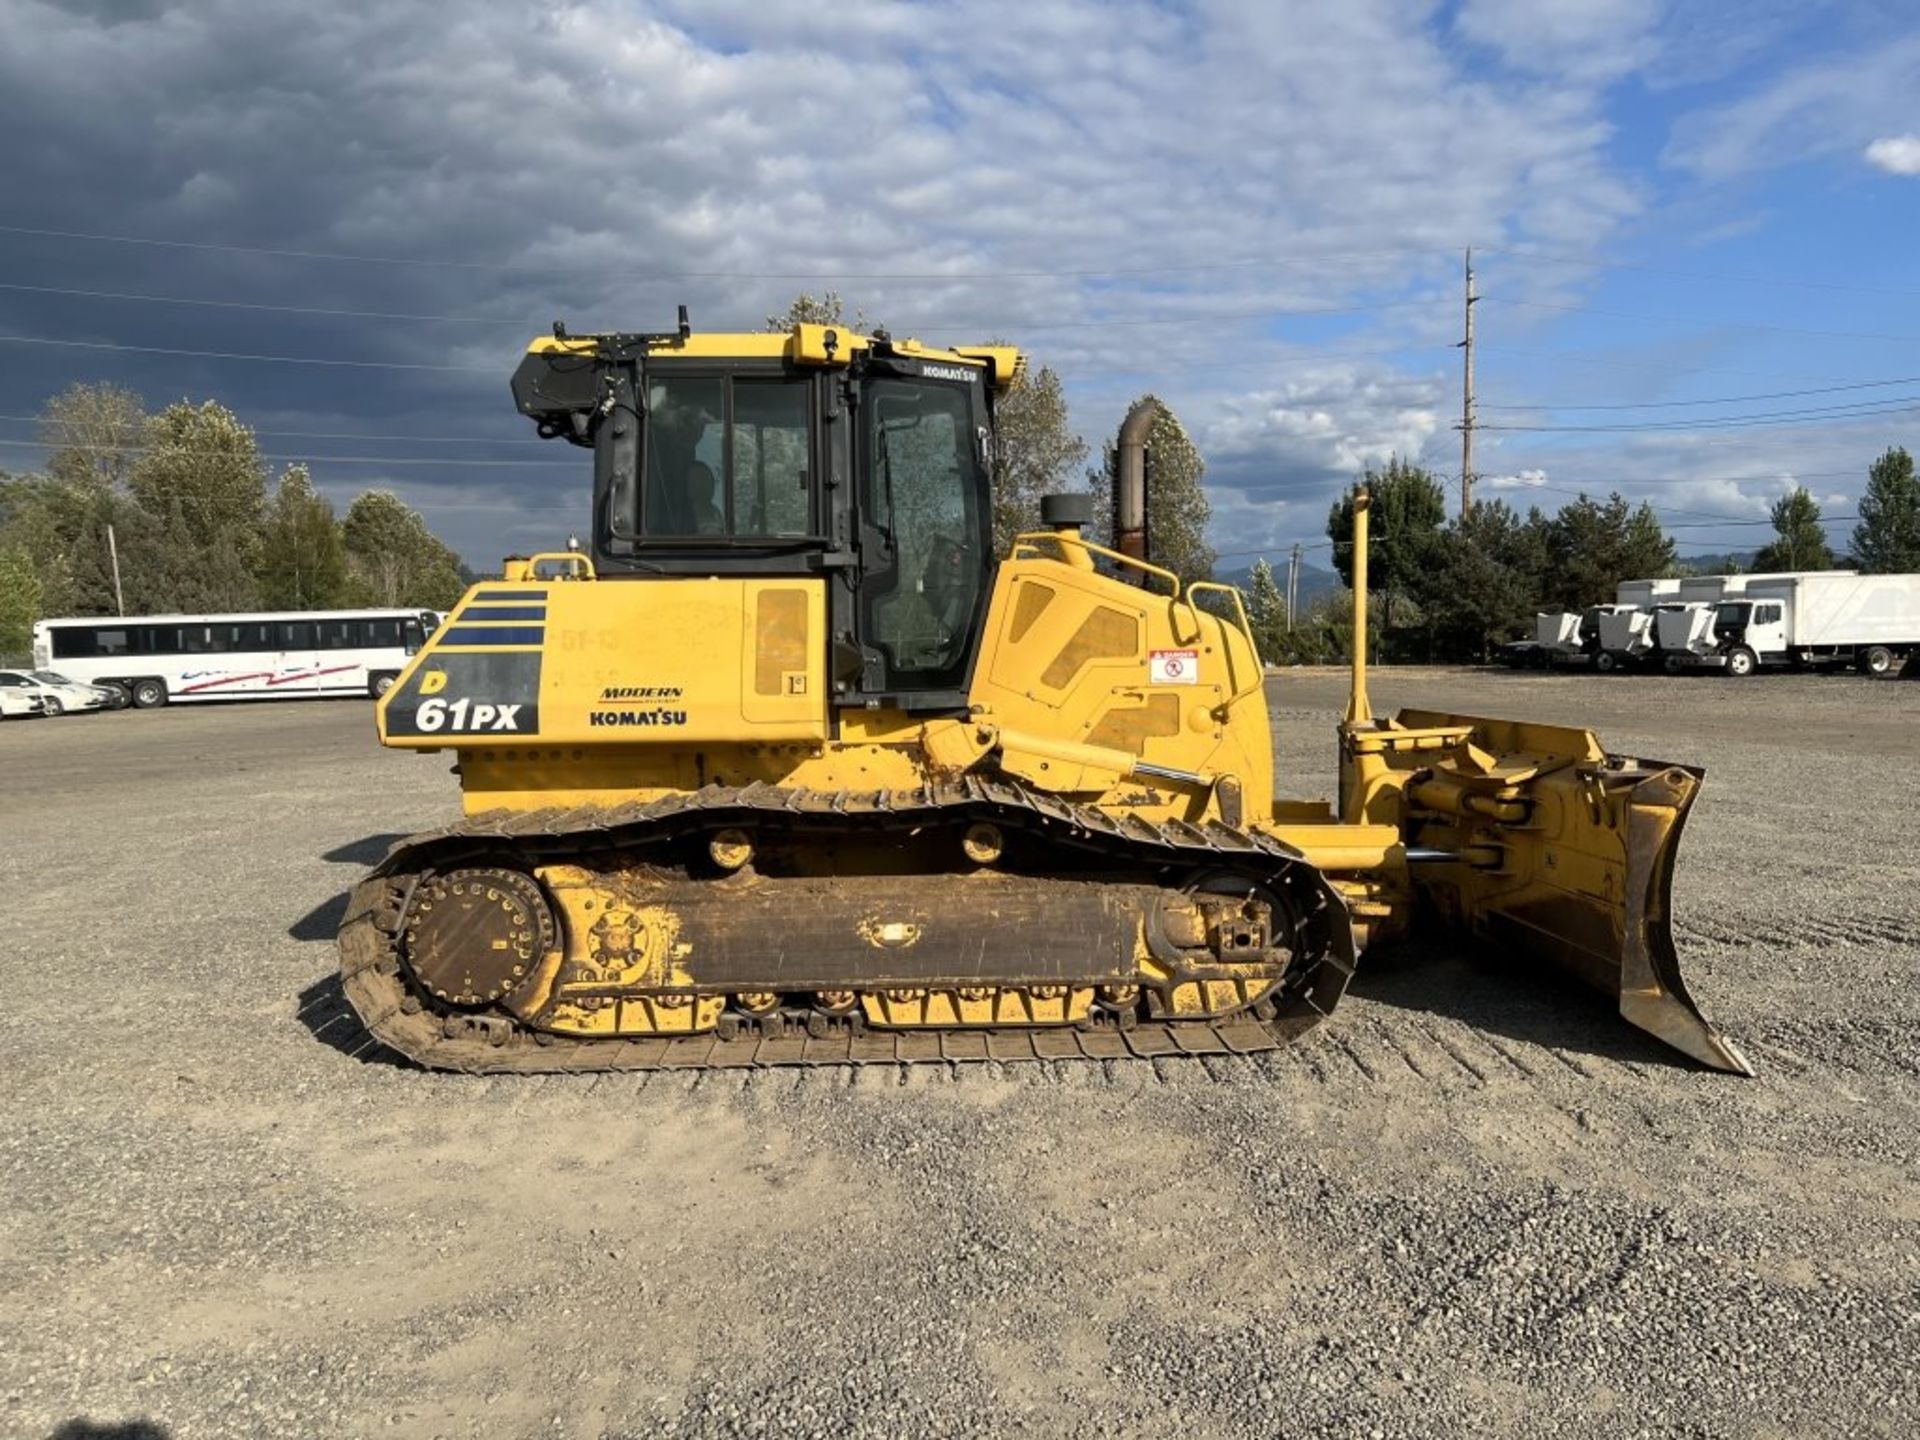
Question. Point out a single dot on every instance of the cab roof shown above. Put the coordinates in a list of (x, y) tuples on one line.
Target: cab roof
[(822, 345)]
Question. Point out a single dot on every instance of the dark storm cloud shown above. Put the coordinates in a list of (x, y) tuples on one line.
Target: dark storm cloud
[(577, 160)]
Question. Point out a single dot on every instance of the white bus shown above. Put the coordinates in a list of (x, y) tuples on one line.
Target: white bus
[(158, 658)]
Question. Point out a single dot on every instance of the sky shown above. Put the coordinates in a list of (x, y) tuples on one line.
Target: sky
[(1693, 228)]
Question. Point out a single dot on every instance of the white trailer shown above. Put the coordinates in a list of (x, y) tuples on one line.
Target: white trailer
[(1871, 622)]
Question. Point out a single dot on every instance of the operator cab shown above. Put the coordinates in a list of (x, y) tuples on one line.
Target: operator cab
[(815, 453)]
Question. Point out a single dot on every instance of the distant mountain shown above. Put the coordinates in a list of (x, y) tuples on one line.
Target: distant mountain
[(1718, 562), (1314, 582)]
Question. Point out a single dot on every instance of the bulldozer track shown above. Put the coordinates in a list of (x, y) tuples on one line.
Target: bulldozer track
[(374, 984)]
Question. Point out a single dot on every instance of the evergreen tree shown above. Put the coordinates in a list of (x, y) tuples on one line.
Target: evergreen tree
[(1407, 508), (1887, 539), (1481, 588), (1266, 608), (1177, 506), (1034, 451), (1591, 547), (303, 560), (1802, 544)]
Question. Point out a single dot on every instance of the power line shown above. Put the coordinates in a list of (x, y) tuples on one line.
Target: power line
[(1815, 415), (1716, 400), (642, 277), (907, 322), (498, 370), (255, 305), (264, 359), (1639, 367)]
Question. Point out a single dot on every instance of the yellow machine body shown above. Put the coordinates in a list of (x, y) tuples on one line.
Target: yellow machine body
[(680, 828)]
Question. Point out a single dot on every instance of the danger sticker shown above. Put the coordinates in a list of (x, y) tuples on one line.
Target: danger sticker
[(1173, 667)]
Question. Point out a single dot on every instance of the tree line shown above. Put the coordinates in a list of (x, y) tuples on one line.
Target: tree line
[(181, 499), (1452, 588)]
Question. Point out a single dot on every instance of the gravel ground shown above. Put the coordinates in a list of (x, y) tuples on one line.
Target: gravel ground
[(1472, 1204)]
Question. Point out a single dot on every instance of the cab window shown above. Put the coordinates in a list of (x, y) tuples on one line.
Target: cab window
[(726, 457)]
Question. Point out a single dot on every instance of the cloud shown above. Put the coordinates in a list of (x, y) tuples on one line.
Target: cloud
[(1896, 154), (1565, 39), (1831, 105), (1194, 170), (1522, 480)]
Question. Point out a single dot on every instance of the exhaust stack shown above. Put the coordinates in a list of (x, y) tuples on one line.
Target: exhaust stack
[(1130, 480)]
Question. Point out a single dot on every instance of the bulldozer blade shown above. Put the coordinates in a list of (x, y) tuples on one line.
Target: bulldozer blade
[(1565, 853)]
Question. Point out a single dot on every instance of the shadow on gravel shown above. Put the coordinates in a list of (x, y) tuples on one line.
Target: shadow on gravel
[(116, 1430), (1508, 998), (330, 1020), (322, 922), (368, 850)]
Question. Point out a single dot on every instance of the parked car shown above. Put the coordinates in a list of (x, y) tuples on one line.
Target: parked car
[(1525, 655), (16, 703), (58, 694)]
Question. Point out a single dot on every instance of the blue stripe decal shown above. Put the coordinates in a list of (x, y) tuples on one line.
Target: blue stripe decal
[(491, 635), (511, 595), (502, 612)]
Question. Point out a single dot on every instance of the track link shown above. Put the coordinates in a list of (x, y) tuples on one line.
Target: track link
[(374, 982)]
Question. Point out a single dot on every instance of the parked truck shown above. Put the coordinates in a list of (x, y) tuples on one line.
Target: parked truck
[(1871, 622), (1684, 625), (1628, 635), (1569, 637)]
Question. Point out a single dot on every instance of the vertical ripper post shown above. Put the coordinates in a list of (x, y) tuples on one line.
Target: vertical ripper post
[(1359, 707)]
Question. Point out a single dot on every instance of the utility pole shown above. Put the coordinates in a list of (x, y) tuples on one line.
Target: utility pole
[(1466, 399), (1293, 583), (113, 554)]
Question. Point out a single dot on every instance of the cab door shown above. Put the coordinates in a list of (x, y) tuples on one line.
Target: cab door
[(1767, 629)]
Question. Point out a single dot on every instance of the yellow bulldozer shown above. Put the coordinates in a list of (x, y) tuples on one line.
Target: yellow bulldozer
[(789, 767)]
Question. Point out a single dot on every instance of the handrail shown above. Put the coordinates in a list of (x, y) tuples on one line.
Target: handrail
[(1246, 629), (581, 564), (1032, 540)]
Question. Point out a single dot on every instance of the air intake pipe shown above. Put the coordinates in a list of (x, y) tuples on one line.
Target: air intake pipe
[(1130, 480)]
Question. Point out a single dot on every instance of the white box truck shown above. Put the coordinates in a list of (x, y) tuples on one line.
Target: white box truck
[(1627, 631), (1871, 622), (1564, 637), (1683, 625)]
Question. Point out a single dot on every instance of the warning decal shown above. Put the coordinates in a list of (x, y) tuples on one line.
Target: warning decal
[(1173, 667)]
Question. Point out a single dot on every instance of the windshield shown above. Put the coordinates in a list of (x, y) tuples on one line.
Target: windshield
[(48, 677), (1731, 614)]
